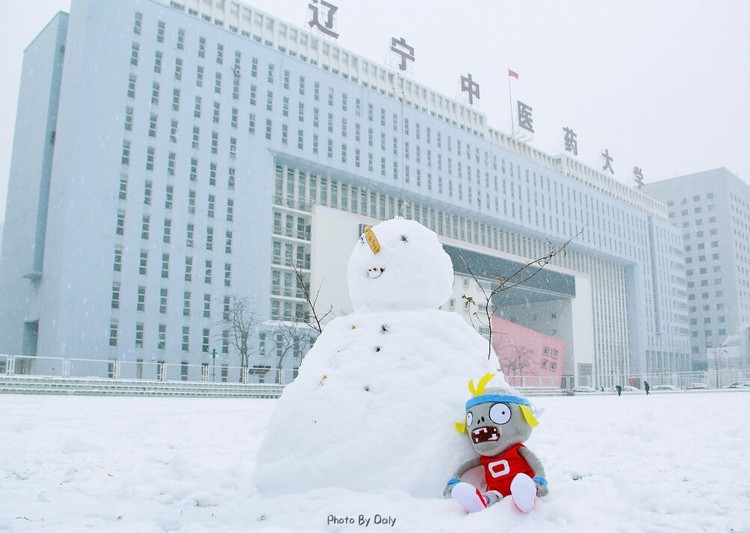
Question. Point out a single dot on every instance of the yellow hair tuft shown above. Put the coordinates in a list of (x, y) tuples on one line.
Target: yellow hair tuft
[(528, 415), (479, 390), (461, 427)]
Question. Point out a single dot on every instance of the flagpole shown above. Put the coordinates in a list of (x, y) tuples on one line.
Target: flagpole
[(510, 102)]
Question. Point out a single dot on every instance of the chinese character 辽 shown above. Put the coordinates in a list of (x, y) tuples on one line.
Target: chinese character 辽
[(525, 120), (327, 26), (571, 142)]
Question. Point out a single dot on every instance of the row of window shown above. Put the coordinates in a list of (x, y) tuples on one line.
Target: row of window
[(165, 260)]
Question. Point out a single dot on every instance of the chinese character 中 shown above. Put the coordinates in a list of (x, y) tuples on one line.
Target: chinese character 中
[(470, 86), (400, 47), (571, 142), (525, 120), (607, 161), (327, 26), (638, 176)]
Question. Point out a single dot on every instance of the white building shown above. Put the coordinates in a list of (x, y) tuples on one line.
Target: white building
[(712, 210), (172, 154)]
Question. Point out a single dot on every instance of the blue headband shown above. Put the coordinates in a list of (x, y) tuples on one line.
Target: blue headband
[(504, 398)]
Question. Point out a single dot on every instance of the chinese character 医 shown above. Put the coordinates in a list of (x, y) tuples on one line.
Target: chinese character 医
[(524, 117), (571, 144), (400, 47), (327, 26), (607, 161)]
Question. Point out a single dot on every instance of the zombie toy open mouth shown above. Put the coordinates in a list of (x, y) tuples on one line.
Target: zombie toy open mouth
[(485, 434), (375, 273)]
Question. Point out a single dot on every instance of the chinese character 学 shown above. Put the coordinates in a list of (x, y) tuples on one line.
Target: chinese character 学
[(607, 161), (470, 86), (327, 26), (525, 120), (571, 142), (638, 176), (400, 47)]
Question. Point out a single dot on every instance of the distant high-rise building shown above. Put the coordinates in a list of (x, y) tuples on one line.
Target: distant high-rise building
[(170, 156), (712, 210)]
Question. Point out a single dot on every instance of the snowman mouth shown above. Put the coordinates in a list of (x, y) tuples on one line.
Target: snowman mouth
[(375, 273), (485, 434)]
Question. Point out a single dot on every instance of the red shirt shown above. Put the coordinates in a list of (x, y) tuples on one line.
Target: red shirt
[(500, 470)]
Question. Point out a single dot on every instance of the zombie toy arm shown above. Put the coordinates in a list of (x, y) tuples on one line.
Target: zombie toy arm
[(460, 471), (539, 480)]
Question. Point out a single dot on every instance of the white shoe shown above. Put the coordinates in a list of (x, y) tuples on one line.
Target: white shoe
[(469, 497), (523, 490)]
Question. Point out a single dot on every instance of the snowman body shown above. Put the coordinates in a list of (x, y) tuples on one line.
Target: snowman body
[(376, 398)]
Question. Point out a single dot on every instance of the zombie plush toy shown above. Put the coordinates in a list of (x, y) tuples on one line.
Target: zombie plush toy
[(498, 421)]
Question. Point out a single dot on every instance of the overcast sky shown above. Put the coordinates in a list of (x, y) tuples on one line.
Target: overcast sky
[(661, 84)]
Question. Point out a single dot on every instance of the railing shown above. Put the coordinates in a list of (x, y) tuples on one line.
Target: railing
[(25, 365)]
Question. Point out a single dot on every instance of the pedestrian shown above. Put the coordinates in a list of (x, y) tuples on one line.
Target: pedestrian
[(619, 390), (647, 387)]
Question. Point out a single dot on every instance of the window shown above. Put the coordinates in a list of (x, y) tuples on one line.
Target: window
[(169, 197), (178, 68), (143, 265), (209, 238), (131, 86), (209, 271), (162, 343), (167, 231), (164, 265), (157, 62), (145, 227), (186, 303), (206, 306), (185, 338), (163, 301), (128, 118), (211, 205), (141, 305), (228, 244), (134, 54), (180, 39), (139, 335), (227, 275), (115, 295), (113, 332), (199, 76), (138, 23), (202, 47), (175, 99), (188, 269), (230, 210), (197, 111), (150, 155), (125, 160), (147, 188), (123, 194), (118, 260)]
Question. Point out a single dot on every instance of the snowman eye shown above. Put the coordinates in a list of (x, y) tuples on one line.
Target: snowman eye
[(469, 419), (404, 238), (500, 413)]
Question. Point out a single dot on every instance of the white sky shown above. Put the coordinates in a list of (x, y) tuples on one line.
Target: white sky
[(661, 84)]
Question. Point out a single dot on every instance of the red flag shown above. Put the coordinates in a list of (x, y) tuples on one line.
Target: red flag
[(512, 73)]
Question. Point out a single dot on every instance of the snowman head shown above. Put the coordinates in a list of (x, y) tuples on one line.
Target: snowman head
[(399, 264)]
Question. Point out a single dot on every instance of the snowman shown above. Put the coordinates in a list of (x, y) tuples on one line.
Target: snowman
[(375, 401)]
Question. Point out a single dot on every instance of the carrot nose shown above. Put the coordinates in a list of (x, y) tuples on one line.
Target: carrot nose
[(372, 240)]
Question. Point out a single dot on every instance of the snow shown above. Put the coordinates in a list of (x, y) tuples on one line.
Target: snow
[(664, 462), (365, 438)]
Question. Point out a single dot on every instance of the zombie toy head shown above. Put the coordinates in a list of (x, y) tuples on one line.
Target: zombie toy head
[(496, 418)]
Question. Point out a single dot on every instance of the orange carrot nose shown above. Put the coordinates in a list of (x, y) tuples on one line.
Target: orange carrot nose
[(372, 240)]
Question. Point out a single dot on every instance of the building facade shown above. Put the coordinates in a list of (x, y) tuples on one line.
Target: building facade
[(712, 210), (172, 155)]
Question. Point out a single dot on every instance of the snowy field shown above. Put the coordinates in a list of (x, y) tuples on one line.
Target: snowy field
[(666, 462)]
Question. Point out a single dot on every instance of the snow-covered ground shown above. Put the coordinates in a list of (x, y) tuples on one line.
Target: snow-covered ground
[(664, 462)]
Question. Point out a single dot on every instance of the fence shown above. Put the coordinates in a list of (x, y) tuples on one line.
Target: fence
[(25, 365)]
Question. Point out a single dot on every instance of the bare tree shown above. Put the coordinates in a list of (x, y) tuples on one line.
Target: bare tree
[(719, 354), (315, 319), (239, 321), (501, 284), (290, 337), (516, 362)]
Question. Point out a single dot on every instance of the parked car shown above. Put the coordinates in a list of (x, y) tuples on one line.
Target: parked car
[(583, 388), (697, 386), (665, 388), (738, 385)]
